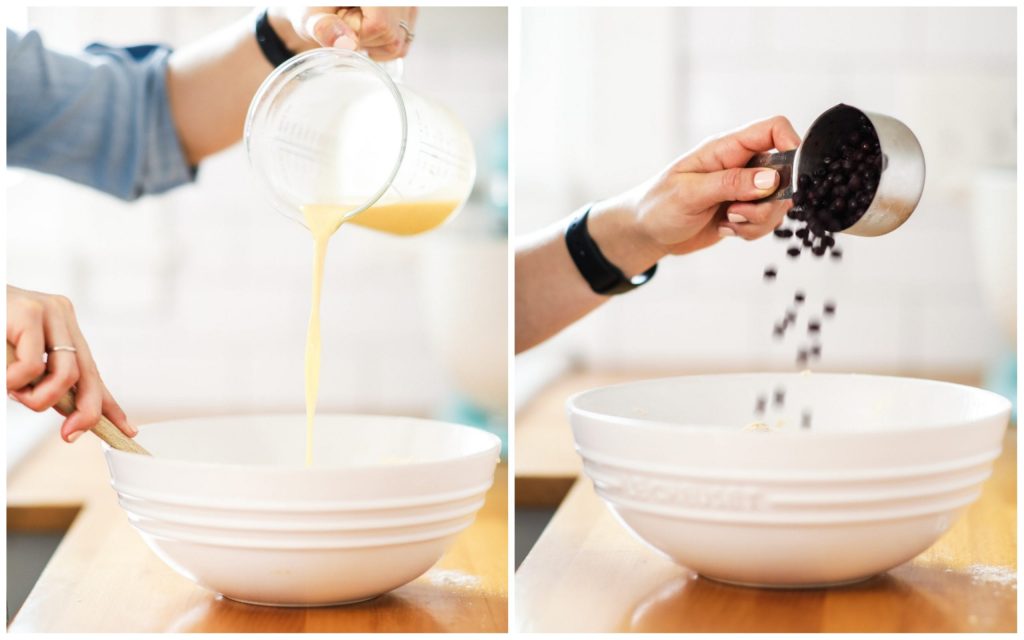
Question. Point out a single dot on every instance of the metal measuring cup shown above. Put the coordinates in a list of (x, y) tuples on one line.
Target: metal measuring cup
[(901, 181)]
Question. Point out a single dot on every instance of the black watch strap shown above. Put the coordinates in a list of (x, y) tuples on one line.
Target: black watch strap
[(602, 276), (271, 45)]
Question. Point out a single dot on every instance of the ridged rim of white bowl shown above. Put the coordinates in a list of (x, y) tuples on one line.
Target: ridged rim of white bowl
[(851, 498), (494, 450), (794, 498), (355, 544), (248, 525), (309, 507), (775, 518), (301, 539), (821, 475), (727, 430)]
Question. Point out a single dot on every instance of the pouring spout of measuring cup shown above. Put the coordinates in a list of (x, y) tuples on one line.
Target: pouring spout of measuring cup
[(901, 173)]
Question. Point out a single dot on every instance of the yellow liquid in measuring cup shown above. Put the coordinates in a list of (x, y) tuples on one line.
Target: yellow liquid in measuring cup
[(405, 219)]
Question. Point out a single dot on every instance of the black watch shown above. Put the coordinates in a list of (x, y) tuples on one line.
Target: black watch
[(271, 44), (602, 276)]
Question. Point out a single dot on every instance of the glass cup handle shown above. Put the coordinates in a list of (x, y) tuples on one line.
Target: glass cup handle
[(394, 68)]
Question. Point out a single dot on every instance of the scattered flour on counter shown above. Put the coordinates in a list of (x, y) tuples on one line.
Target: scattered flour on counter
[(764, 427), (1004, 576)]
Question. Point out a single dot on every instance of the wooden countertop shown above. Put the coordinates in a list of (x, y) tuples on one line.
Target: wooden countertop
[(588, 574), (546, 460), (103, 578)]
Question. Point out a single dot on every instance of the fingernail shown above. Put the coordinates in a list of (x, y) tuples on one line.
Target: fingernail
[(725, 232), (735, 217), (74, 435), (764, 179), (337, 29), (345, 42), (132, 430)]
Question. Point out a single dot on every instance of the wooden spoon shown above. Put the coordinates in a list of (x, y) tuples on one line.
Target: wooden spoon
[(104, 429)]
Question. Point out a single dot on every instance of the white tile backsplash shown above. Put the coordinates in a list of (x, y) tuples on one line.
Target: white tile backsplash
[(968, 34), (198, 299), (910, 300), (802, 34)]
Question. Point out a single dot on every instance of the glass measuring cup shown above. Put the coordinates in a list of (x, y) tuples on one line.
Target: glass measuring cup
[(331, 128)]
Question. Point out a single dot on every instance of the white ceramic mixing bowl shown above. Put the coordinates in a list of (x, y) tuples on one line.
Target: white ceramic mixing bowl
[(883, 471), (228, 503)]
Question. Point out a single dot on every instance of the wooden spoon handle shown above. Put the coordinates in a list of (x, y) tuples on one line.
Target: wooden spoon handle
[(104, 429)]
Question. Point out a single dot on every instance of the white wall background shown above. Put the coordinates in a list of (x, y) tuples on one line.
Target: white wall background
[(607, 97), (198, 300)]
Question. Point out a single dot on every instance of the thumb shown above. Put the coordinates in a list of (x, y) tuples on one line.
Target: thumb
[(730, 185), (328, 29)]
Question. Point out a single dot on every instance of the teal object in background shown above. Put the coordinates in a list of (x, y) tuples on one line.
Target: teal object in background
[(497, 187), (1002, 379), (461, 410), (491, 191)]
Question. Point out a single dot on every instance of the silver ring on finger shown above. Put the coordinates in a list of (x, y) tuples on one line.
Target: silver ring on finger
[(62, 347), (409, 35)]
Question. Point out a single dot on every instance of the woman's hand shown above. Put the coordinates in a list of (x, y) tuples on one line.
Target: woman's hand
[(36, 323), (377, 30), (701, 198)]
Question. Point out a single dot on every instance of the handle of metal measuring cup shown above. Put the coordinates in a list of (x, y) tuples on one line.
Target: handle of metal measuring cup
[(781, 161)]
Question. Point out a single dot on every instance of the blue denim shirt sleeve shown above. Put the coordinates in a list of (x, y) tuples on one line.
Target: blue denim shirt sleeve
[(100, 118)]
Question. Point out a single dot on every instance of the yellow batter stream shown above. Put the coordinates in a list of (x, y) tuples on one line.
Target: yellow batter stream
[(405, 219)]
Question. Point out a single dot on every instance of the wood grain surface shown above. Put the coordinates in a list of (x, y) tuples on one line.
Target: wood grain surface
[(588, 574), (103, 578), (546, 460)]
